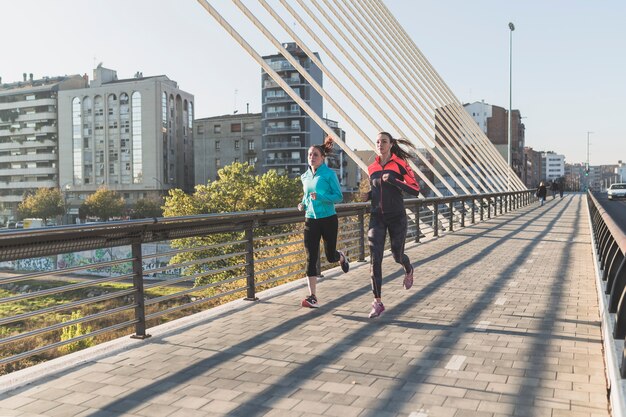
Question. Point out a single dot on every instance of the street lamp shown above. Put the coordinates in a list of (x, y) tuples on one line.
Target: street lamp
[(512, 28), (66, 189)]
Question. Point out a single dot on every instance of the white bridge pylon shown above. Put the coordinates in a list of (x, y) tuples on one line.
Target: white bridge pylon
[(380, 81)]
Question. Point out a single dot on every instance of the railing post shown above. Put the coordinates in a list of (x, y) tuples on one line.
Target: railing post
[(473, 210), (362, 235), (418, 231), (462, 213), (489, 208), (502, 202), (451, 207), (481, 202), (436, 219), (250, 282), (138, 295)]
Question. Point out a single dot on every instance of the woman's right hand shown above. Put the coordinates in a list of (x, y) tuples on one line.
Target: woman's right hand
[(300, 207)]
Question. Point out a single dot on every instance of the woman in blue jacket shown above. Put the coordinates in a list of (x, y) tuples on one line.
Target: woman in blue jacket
[(321, 192)]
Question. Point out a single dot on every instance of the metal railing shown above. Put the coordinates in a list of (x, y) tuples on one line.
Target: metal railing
[(126, 276), (610, 246)]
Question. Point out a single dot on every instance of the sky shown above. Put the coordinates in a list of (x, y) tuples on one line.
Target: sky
[(568, 74)]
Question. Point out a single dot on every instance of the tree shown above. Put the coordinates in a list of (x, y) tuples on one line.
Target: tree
[(145, 208), (46, 203), (104, 204), (236, 190)]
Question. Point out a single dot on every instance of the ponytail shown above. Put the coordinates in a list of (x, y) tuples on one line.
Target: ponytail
[(395, 146), (325, 148)]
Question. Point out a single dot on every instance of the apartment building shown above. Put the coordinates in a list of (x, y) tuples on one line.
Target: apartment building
[(133, 136), (29, 137), (222, 140), (494, 122), (288, 131)]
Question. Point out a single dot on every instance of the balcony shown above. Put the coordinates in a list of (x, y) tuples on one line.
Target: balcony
[(287, 113), (282, 129), (283, 161), (273, 84), (28, 103), (283, 144)]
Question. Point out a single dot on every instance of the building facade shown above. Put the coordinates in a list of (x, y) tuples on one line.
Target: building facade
[(552, 165), (29, 137), (222, 140), (532, 175), (288, 131), (494, 123), (133, 136)]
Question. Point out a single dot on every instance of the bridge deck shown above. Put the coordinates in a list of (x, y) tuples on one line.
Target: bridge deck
[(502, 320)]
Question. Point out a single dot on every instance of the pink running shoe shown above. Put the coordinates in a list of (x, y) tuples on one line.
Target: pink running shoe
[(408, 279), (377, 309)]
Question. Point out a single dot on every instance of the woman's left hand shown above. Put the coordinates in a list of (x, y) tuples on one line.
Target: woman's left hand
[(385, 177)]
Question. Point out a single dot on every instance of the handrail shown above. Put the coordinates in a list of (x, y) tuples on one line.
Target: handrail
[(231, 253), (610, 246)]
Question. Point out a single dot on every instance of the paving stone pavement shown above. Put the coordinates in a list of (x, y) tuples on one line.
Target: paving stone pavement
[(502, 321)]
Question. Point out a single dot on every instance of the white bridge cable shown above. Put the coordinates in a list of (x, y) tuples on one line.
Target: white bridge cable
[(313, 83), (423, 100), (481, 141), (483, 169), (374, 86), (497, 159), (425, 104), (278, 79), (308, 77), (382, 81)]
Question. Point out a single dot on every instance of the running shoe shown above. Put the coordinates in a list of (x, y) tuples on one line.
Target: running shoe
[(345, 264), (408, 279), (310, 301), (377, 309)]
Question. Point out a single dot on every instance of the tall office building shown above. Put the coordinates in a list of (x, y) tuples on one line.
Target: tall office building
[(133, 136), (288, 131), (552, 165), (29, 140)]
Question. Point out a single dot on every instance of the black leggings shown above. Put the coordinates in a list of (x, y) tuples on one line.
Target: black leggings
[(379, 225), (314, 229)]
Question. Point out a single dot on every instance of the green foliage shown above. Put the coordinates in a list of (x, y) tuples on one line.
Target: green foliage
[(146, 208), (46, 203), (103, 204), (75, 330), (236, 190)]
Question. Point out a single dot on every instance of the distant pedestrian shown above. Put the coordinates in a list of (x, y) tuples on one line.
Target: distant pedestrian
[(321, 192), (541, 193), (561, 186), (390, 175), (554, 187)]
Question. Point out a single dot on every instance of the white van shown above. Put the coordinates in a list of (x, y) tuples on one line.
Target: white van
[(33, 223)]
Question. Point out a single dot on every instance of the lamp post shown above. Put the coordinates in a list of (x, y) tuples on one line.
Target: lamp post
[(511, 29), (66, 189)]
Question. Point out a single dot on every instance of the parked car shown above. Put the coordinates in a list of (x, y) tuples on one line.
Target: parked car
[(19, 225), (617, 190)]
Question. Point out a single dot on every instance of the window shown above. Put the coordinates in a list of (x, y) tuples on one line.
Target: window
[(248, 127), (217, 145), (236, 144), (235, 127), (200, 130), (250, 145), (218, 162), (251, 161), (217, 128), (236, 160)]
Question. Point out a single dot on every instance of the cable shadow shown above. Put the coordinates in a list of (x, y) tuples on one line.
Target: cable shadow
[(297, 376)]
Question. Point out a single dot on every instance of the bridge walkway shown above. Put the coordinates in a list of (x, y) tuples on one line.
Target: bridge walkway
[(502, 321)]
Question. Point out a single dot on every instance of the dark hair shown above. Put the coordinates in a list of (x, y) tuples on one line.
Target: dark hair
[(395, 146), (325, 148)]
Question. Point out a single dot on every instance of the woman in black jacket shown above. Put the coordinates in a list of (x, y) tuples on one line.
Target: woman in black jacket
[(542, 192)]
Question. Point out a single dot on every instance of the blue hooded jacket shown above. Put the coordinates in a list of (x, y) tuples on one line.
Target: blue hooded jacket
[(325, 183)]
